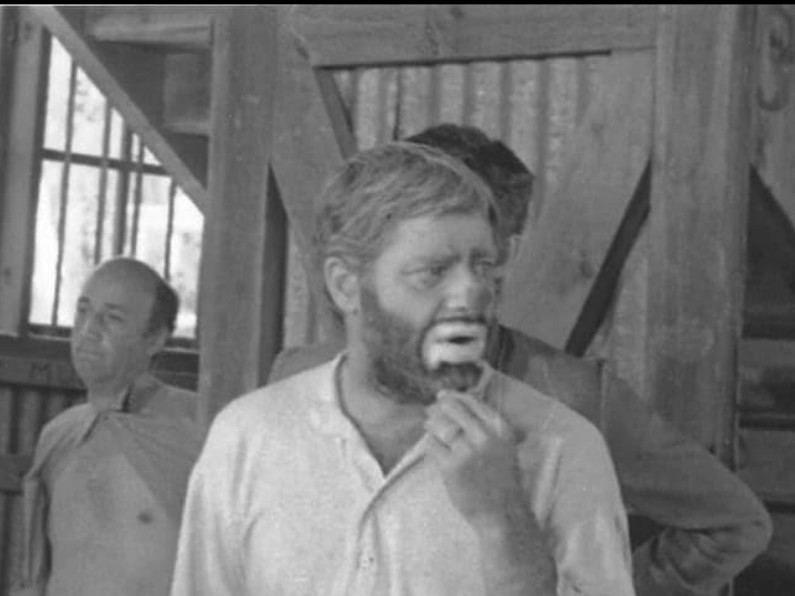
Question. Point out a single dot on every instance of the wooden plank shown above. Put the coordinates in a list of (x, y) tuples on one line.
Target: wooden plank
[(765, 463), (132, 79), (359, 35), (767, 353), (774, 102), (7, 420), (698, 217), (21, 126), (310, 144), (168, 27), (187, 92), (47, 364), (234, 297), (563, 250)]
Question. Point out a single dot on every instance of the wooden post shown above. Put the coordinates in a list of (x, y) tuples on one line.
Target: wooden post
[(774, 141), (22, 89), (698, 216), (239, 302), (312, 138)]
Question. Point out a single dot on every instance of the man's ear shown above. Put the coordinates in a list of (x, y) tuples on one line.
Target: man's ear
[(514, 243), (342, 284), (159, 339)]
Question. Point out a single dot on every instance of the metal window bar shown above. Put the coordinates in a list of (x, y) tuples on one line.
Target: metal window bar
[(122, 193), (542, 128), (172, 195), (65, 171), (506, 91), (583, 92), (103, 185), (382, 131), (397, 125), (435, 95), (82, 159), (469, 95), (137, 198)]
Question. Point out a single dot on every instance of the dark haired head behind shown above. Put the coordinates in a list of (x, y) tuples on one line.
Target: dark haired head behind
[(510, 181)]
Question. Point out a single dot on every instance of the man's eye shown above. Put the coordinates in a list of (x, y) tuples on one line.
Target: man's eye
[(427, 276), (485, 268)]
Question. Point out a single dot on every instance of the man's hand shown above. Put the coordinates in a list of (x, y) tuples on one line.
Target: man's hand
[(476, 452)]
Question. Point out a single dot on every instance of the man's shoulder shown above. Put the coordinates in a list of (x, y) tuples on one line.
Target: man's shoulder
[(277, 403), (169, 400), (574, 381), (296, 359), (67, 420)]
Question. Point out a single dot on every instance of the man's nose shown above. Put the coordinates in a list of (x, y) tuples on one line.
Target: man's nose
[(90, 325), (470, 291)]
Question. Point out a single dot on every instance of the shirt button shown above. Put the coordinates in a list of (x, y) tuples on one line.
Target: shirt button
[(366, 561)]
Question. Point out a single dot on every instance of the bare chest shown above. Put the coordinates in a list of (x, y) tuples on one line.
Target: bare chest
[(98, 482)]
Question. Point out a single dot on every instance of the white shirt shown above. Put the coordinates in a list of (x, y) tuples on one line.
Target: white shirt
[(286, 500)]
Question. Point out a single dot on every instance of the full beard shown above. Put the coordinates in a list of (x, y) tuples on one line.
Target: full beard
[(397, 369)]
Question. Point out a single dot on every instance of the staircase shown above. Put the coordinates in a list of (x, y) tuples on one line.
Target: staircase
[(155, 66)]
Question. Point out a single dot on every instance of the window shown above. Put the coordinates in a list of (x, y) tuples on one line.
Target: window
[(102, 193)]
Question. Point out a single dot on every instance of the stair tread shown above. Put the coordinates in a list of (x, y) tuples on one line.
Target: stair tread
[(168, 27)]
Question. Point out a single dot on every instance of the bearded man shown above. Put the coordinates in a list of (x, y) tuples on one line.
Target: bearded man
[(406, 465)]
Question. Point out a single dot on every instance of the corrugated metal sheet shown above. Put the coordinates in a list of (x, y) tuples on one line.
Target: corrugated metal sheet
[(23, 413), (532, 105)]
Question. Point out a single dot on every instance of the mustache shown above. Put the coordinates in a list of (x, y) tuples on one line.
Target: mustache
[(477, 319)]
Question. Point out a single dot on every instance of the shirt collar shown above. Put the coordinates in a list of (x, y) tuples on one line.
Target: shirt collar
[(135, 397), (327, 415)]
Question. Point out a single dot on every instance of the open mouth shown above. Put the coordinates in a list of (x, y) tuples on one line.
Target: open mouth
[(454, 342)]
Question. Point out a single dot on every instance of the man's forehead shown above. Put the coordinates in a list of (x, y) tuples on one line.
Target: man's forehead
[(121, 284), (448, 232)]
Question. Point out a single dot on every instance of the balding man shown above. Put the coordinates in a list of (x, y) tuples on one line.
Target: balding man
[(103, 499)]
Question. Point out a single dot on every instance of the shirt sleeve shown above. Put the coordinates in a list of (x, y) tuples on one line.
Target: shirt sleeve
[(209, 557), (587, 525), (714, 525)]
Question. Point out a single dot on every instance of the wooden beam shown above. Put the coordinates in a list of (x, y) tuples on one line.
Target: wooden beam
[(274, 277), (774, 102), (312, 138), (367, 35), (24, 62), (47, 364), (187, 91), (132, 79), (698, 216), (170, 27), (234, 297), (563, 250)]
